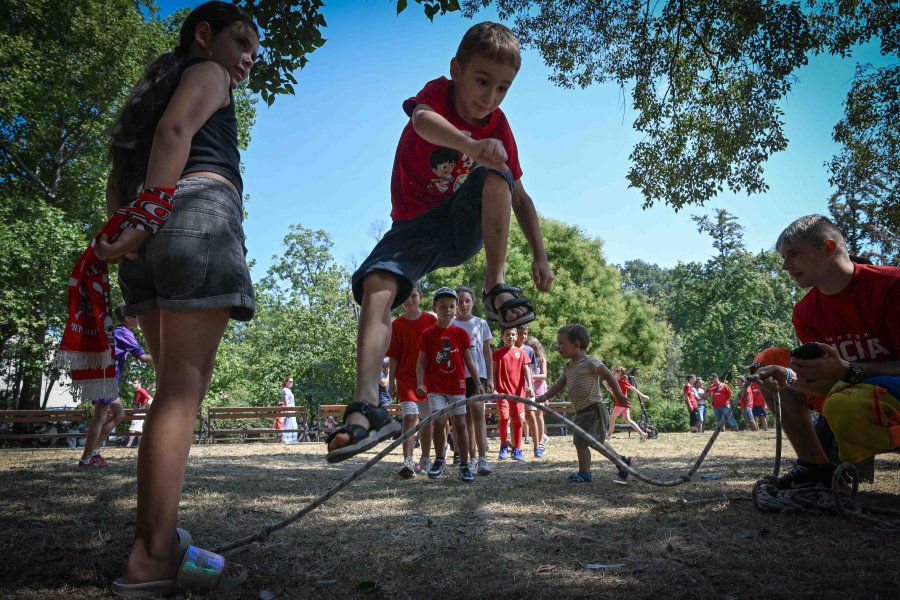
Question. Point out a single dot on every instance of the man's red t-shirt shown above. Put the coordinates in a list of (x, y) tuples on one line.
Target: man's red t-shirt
[(625, 386), (758, 398), (404, 348), (720, 395), (445, 368), (425, 175), (140, 397), (509, 370), (691, 395), (748, 400), (862, 321)]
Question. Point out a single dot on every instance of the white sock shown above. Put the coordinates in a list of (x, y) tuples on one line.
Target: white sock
[(95, 452)]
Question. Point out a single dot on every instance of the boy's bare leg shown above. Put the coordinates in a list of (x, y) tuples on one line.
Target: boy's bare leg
[(91, 439), (584, 459), (372, 341), (425, 435), (798, 427), (461, 438), (496, 202), (476, 410), (531, 423), (409, 421), (470, 431)]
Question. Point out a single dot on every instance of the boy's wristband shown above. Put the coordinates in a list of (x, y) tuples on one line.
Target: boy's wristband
[(791, 377)]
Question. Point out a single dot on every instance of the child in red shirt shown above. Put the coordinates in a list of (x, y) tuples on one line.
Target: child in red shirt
[(403, 353), (511, 373), (621, 375), (444, 356)]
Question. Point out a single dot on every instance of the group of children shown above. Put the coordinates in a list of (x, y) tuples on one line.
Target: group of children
[(174, 192), (440, 358)]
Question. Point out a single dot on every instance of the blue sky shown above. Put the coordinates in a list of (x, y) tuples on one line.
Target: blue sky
[(323, 158)]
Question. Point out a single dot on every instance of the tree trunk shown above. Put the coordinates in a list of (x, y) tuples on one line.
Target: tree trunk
[(30, 394)]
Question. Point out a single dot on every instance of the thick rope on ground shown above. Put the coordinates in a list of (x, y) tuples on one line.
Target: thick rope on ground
[(599, 446)]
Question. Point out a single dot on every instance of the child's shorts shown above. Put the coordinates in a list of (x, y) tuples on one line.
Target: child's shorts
[(196, 261), (441, 401), (594, 420), (620, 410), (446, 236), (408, 407), (759, 411), (471, 390)]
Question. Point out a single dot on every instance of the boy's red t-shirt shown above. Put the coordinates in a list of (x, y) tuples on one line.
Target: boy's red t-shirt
[(625, 386), (509, 371), (691, 394), (862, 321), (426, 175), (748, 400), (140, 397), (404, 348), (445, 368), (758, 398), (720, 395)]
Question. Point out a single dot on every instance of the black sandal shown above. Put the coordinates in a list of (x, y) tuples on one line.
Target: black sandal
[(489, 298), (381, 427)]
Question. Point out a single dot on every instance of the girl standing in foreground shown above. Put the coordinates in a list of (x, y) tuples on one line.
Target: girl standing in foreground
[(177, 136)]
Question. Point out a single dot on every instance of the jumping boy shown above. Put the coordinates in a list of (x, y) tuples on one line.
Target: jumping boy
[(512, 375), (436, 227), (406, 330), (444, 356), (581, 380)]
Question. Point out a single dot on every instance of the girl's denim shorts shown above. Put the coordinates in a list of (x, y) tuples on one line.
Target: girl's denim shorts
[(196, 261)]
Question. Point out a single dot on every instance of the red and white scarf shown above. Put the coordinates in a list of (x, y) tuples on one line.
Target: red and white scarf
[(88, 346)]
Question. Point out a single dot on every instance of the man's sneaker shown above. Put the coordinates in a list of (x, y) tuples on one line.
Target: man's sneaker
[(437, 468), (623, 473), (408, 470), (483, 467), (504, 452), (539, 453), (456, 458), (424, 465), (517, 455), (805, 474), (465, 474)]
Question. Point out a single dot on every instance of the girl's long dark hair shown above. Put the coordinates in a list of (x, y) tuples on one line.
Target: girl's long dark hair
[(132, 133)]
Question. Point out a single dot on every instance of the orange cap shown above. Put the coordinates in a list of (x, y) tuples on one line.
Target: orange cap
[(771, 356)]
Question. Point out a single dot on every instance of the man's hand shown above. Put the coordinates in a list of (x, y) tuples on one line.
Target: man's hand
[(125, 246), (541, 274), (830, 368), (490, 153), (490, 386)]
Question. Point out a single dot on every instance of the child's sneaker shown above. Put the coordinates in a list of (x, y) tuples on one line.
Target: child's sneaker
[(437, 468), (408, 470), (544, 440), (517, 455), (456, 458), (473, 464), (579, 477), (504, 452), (99, 461), (623, 473), (483, 467), (424, 465), (539, 453), (465, 474)]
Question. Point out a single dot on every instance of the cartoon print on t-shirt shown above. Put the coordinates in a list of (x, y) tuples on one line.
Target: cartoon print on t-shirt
[(443, 162), (443, 355)]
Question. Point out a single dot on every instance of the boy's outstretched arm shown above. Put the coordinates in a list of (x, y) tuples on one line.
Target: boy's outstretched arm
[(439, 131), (526, 216)]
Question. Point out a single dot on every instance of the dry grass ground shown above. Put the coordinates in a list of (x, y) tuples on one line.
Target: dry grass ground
[(525, 532)]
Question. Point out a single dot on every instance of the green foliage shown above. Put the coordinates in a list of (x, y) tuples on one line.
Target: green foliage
[(668, 413), (305, 326), (586, 290)]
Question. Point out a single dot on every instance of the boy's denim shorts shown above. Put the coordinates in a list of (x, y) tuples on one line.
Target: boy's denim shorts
[(196, 261), (446, 236)]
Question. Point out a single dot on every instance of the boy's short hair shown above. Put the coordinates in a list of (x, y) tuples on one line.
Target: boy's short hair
[(689, 377), (505, 329), (814, 229), (490, 40), (577, 333), (120, 313)]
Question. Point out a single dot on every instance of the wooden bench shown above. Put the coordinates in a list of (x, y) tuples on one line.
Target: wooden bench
[(14, 422), (140, 414), (219, 416)]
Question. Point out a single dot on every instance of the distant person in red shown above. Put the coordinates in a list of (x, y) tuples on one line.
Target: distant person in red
[(720, 395), (141, 399), (403, 353), (512, 375), (690, 401), (746, 399), (621, 375), (759, 408)]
